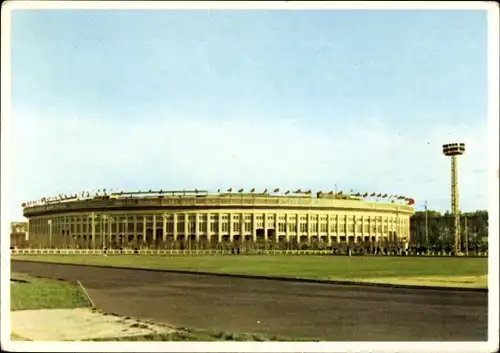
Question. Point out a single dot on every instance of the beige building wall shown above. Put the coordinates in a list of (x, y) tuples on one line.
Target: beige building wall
[(163, 228)]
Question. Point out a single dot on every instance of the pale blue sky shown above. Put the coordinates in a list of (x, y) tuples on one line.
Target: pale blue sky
[(217, 99)]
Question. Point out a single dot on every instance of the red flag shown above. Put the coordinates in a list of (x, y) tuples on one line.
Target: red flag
[(411, 201)]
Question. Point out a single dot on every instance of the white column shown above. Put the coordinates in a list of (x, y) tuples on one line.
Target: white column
[(135, 230), (287, 232), (242, 230), (219, 230), (187, 239), (309, 227), (328, 228), (154, 228), (164, 229), (265, 229), (197, 227), (297, 224), (231, 231), (254, 227), (175, 226), (93, 216)]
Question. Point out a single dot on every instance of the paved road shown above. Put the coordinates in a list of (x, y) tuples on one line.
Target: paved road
[(292, 309)]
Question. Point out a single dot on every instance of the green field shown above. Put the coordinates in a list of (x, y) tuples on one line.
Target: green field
[(436, 271), (37, 293)]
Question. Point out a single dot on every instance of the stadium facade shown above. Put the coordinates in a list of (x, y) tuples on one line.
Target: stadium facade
[(202, 220)]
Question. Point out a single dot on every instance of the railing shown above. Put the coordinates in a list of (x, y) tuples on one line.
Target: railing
[(214, 252)]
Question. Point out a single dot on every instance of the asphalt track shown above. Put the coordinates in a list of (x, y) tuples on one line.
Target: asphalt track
[(272, 307)]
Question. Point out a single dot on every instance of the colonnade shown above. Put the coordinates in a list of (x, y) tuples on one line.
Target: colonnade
[(210, 229)]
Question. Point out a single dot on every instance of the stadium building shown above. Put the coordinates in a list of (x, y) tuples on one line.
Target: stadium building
[(194, 219)]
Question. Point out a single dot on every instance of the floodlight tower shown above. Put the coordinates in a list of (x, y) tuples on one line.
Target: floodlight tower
[(453, 150)]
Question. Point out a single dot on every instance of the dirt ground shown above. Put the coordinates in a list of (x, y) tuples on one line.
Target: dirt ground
[(272, 307), (450, 281), (76, 325)]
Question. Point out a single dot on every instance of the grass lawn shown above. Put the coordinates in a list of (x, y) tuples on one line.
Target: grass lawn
[(36, 293), (445, 271)]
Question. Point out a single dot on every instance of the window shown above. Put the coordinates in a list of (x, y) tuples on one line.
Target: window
[(314, 227)]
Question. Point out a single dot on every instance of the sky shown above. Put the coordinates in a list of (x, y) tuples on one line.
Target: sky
[(358, 100)]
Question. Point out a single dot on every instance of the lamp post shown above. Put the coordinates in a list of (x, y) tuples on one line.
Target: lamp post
[(453, 150)]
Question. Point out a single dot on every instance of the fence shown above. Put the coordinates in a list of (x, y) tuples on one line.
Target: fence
[(216, 252)]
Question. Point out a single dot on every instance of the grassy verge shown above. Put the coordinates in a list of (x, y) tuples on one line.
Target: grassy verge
[(205, 336), (15, 337), (39, 293), (358, 268)]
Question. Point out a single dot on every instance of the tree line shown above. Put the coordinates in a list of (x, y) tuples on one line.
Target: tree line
[(440, 234)]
